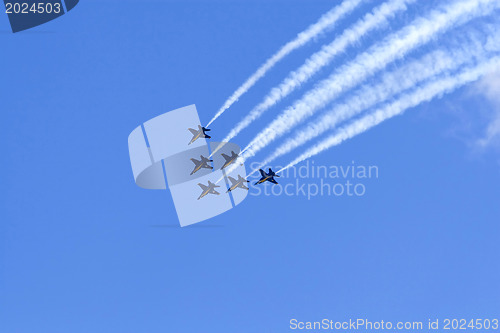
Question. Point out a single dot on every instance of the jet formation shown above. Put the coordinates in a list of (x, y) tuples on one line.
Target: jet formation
[(235, 183)]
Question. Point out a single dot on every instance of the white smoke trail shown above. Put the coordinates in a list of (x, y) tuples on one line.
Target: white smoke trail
[(423, 94), (325, 22), (376, 58), (376, 19), (411, 74)]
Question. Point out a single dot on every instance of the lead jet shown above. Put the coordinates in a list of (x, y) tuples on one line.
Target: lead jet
[(235, 183), (200, 133), (267, 177), (208, 189), (202, 163), (229, 159)]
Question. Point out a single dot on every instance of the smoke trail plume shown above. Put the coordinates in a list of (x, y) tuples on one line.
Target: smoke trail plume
[(415, 72), (376, 58), (376, 19), (326, 21), (423, 94)]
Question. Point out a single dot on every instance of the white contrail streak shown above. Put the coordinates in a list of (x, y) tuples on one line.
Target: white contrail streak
[(376, 19), (435, 63), (376, 58), (423, 94), (325, 22)]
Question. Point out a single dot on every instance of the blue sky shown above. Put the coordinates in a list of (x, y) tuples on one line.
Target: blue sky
[(83, 249)]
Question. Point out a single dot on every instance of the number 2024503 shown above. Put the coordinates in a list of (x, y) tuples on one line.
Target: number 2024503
[(35, 8)]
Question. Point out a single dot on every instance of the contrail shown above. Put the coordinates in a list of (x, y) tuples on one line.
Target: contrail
[(376, 19), (394, 47), (326, 21), (435, 63), (423, 94)]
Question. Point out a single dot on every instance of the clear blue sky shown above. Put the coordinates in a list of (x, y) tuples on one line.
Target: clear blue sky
[(83, 249)]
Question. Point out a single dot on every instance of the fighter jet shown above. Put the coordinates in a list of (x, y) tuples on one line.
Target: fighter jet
[(267, 177), (200, 133), (235, 183), (229, 159), (202, 163), (208, 189)]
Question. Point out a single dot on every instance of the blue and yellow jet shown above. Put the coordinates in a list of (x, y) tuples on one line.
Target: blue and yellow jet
[(235, 183), (202, 163), (200, 133), (208, 189), (229, 159), (269, 177)]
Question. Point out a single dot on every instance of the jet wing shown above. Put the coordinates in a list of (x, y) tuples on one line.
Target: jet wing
[(212, 191), (233, 181), (263, 173), (193, 131), (273, 181), (241, 185), (203, 187), (260, 181), (195, 161)]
